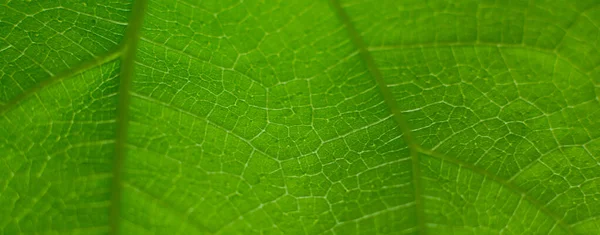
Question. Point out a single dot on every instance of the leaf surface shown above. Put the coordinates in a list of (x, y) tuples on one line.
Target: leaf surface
[(299, 117)]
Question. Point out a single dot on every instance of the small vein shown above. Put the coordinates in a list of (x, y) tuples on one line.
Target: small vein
[(392, 105), (131, 39), (158, 202), (515, 189), (485, 44), (205, 119), (15, 101)]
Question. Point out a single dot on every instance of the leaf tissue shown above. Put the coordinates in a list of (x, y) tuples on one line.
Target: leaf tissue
[(299, 117)]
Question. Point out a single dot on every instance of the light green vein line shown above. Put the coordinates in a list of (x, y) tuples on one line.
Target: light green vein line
[(549, 52), (502, 182), (15, 101), (132, 36), (185, 218), (392, 105)]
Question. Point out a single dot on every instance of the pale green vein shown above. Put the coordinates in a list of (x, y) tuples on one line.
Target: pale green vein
[(100, 60), (521, 46), (505, 183), (132, 36), (392, 105), (159, 202)]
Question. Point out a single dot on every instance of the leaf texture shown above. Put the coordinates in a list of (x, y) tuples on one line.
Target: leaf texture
[(300, 117)]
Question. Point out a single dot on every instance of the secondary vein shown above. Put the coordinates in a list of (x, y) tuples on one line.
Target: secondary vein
[(100, 60), (392, 105), (132, 36), (507, 184)]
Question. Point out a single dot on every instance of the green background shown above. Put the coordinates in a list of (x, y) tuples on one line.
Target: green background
[(299, 117)]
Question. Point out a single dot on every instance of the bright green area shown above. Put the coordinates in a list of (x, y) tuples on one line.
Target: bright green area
[(290, 117)]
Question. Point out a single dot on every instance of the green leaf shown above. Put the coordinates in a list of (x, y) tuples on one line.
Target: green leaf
[(299, 117)]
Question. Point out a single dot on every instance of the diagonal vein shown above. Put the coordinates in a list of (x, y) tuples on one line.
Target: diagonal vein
[(100, 60), (391, 104), (132, 36), (505, 183)]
